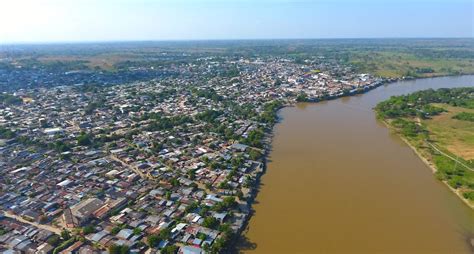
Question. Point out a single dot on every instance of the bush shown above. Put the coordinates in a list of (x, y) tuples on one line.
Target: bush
[(119, 249), (465, 116), (469, 195), (88, 230)]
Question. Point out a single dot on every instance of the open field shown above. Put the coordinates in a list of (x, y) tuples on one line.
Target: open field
[(393, 64), (457, 136)]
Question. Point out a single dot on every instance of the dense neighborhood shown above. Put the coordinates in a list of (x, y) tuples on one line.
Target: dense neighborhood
[(166, 165)]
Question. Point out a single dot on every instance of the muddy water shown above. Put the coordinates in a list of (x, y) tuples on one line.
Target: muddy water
[(339, 182)]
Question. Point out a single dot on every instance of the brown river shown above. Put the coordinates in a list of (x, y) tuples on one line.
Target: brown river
[(338, 181)]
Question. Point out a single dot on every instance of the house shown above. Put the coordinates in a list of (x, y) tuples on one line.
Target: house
[(239, 147), (125, 234), (190, 250), (84, 210), (73, 248), (69, 219), (44, 248)]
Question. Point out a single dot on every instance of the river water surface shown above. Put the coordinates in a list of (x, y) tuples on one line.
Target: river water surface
[(338, 181)]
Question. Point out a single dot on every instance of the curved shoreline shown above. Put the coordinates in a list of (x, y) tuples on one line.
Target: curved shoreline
[(236, 246), (428, 163)]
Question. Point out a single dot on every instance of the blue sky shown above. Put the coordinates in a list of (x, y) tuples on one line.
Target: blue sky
[(117, 20)]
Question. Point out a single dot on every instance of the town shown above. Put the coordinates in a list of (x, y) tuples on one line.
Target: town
[(162, 165)]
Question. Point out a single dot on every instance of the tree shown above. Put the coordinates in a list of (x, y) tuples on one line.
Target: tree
[(254, 154), (84, 139), (302, 97), (201, 236), (115, 230), (137, 231), (229, 202), (54, 240), (119, 249), (88, 230), (65, 235), (6, 133), (7, 99), (170, 249), (165, 233), (219, 245), (174, 182), (153, 240), (210, 222), (192, 207)]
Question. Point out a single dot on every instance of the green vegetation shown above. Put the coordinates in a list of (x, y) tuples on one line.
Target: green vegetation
[(209, 116), (229, 202), (165, 123), (255, 138), (396, 63), (115, 230), (425, 119), (6, 133), (153, 240), (89, 229), (419, 103), (67, 242), (59, 146), (93, 106), (137, 231), (119, 249), (65, 235), (84, 139), (7, 100), (254, 154), (54, 240), (302, 97), (465, 116), (210, 222), (269, 114), (208, 94), (170, 249)]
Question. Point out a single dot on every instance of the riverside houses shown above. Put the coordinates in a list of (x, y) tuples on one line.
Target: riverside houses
[(171, 161)]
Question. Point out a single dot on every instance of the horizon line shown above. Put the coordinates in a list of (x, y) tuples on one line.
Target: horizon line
[(13, 43)]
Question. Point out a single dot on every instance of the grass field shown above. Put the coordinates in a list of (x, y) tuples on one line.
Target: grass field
[(457, 136), (397, 64)]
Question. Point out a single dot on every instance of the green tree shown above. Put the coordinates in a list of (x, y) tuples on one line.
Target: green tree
[(210, 222), (170, 249), (165, 233), (88, 229), (115, 230), (54, 240), (137, 231), (119, 249), (65, 235), (302, 97), (84, 139), (153, 240)]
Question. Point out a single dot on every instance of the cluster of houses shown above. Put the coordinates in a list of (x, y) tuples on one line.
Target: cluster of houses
[(175, 157)]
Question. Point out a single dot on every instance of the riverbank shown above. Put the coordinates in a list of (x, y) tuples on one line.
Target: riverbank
[(427, 162), (267, 142), (300, 170)]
